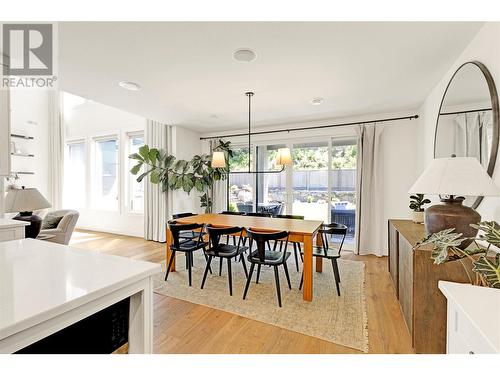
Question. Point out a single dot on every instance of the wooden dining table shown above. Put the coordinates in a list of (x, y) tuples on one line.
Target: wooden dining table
[(303, 231)]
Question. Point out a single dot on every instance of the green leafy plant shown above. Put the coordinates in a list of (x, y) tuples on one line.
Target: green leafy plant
[(174, 174), (417, 202), (486, 268)]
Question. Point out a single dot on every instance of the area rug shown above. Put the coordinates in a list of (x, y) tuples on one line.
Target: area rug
[(340, 320)]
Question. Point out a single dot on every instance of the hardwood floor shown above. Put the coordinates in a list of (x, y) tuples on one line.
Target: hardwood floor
[(184, 327)]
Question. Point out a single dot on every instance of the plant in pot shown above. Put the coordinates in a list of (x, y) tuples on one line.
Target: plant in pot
[(174, 174), (417, 202), (481, 263)]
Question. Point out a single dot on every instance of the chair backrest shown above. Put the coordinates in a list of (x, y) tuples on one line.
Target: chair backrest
[(244, 207), (263, 237), (215, 234), (332, 229), (260, 214), (176, 228), (183, 214), (232, 213), (297, 217)]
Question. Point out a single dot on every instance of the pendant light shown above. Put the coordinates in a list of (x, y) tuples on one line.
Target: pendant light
[(283, 158)]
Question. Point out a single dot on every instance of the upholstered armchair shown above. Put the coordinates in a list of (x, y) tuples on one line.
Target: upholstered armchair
[(62, 233)]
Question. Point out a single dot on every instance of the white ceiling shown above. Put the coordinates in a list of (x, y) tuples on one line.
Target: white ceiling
[(188, 75)]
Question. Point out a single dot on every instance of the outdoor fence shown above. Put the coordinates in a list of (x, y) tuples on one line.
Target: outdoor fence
[(342, 180)]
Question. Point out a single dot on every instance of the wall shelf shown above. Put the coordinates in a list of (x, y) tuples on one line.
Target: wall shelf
[(21, 136), (23, 154), (21, 172)]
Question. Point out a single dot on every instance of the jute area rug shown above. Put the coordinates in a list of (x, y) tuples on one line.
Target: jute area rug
[(341, 320)]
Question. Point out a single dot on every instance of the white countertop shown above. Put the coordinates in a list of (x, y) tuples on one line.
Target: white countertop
[(40, 280), (480, 304), (9, 223)]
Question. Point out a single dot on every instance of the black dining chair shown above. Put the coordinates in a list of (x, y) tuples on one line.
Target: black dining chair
[(185, 235), (327, 252), (188, 247), (297, 251), (234, 237), (232, 213), (224, 251), (273, 258)]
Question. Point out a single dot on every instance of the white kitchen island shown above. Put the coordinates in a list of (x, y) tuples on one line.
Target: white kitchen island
[(46, 287)]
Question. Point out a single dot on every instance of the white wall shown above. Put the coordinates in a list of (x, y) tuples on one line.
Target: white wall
[(89, 119), (399, 145), (483, 48), (30, 116), (185, 144)]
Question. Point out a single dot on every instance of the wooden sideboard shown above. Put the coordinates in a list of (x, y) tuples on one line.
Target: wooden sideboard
[(415, 278)]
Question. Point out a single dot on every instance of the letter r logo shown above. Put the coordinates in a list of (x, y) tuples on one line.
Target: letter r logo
[(28, 49)]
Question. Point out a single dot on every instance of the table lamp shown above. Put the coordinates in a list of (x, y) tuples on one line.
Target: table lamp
[(25, 201), (452, 179)]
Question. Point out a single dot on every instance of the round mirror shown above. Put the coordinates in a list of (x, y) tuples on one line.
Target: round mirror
[(467, 123)]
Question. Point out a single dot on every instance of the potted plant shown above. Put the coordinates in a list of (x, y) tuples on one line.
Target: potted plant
[(173, 174), (417, 202), (485, 262)]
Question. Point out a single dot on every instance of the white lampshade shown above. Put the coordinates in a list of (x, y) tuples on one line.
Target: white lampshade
[(463, 176), (25, 200), (284, 157), (218, 160)]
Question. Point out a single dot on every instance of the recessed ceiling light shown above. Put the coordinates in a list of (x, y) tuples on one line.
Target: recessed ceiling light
[(131, 86), (317, 101), (244, 55), (215, 117)]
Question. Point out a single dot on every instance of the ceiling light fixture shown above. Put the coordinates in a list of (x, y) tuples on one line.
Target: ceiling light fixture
[(283, 157), (244, 55), (127, 85), (317, 101)]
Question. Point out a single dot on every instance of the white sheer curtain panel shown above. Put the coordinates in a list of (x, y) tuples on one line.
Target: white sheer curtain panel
[(157, 204), (219, 191), (370, 223)]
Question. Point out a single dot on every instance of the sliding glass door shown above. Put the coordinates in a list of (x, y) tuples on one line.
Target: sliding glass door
[(320, 185), (310, 180)]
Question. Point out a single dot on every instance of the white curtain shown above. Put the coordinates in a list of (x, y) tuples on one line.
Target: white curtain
[(370, 223), (157, 204), (219, 191), (472, 135), (56, 149)]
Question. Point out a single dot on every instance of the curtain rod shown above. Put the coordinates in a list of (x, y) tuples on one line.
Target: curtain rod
[(310, 127), (462, 112)]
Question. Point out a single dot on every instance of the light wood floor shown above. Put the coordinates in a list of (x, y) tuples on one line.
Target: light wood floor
[(184, 327)]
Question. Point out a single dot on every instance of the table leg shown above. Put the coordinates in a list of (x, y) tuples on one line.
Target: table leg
[(319, 260), (308, 269), (168, 251)]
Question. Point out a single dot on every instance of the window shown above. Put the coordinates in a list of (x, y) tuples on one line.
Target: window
[(74, 175), (105, 175), (135, 189), (241, 184), (271, 187)]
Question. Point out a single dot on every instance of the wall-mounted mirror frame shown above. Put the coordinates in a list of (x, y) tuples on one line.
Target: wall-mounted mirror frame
[(495, 117)]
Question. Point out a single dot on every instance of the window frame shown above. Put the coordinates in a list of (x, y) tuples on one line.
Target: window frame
[(129, 177), (67, 143)]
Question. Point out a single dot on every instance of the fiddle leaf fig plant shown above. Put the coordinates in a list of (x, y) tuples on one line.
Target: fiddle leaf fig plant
[(175, 174), (417, 202), (446, 249)]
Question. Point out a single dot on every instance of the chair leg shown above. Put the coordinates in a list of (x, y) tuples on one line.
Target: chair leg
[(206, 271), (220, 266), (242, 259), (190, 267), (206, 258), (258, 274), (295, 254), (285, 267), (172, 257), (336, 275), (301, 281), (249, 278), (277, 278), (230, 276), (187, 260)]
